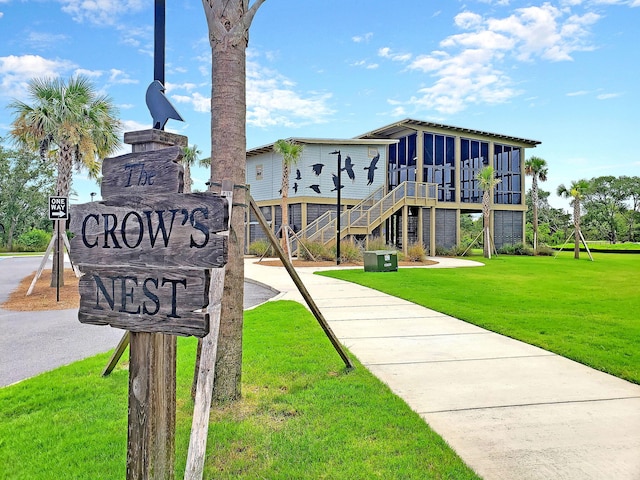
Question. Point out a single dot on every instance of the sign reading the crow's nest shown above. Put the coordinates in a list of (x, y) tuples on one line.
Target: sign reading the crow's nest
[(145, 253)]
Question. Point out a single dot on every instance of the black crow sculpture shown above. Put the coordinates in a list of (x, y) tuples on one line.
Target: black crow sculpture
[(160, 106)]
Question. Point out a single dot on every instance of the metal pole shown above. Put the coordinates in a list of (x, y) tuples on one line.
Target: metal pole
[(159, 41), (59, 273), (338, 205)]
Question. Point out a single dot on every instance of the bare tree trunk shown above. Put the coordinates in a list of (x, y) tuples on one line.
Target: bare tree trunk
[(284, 207), (576, 224), (229, 22), (63, 185), (187, 178), (486, 218), (534, 204)]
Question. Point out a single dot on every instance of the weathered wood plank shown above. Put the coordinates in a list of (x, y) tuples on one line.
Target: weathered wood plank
[(152, 406), (149, 172), (204, 388), (172, 301), (158, 230)]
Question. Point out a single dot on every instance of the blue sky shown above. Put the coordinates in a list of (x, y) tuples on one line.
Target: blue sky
[(564, 72)]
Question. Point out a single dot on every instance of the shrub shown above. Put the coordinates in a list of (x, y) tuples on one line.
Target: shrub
[(261, 248), (416, 252), (349, 252), (33, 241), (546, 251), (516, 249), (377, 243), (317, 249)]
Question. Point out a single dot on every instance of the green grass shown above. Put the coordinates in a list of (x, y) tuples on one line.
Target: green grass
[(583, 310), (301, 417)]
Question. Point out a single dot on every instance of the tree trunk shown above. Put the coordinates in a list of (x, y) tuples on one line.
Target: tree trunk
[(228, 23), (187, 178), (576, 224), (284, 207), (486, 217), (534, 204), (63, 185)]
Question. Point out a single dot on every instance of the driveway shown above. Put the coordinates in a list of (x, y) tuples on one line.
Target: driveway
[(35, 342)]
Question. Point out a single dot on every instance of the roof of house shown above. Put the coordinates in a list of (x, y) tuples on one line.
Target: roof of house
[(324, 141), (409, 123)]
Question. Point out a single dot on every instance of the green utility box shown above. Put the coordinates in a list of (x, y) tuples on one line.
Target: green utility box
[(381, 261)]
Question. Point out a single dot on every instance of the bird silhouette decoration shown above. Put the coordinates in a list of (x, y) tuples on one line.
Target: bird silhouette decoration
[(315, 188), (298, 176), (317, 168), (372, 169), (348, 167), (295, 187), (336, 183), (160, 106)]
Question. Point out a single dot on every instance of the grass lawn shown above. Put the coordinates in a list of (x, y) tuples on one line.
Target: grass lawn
[(301, 417), (583, 310)]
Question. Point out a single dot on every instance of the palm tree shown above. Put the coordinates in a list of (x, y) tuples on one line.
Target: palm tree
[(189, 158), (228, 22), (576, 192), (70, 122), (536, 167), (486, 181), (290, 152)]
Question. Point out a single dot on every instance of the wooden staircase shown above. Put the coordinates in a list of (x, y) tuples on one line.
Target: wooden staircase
[(371, 212)]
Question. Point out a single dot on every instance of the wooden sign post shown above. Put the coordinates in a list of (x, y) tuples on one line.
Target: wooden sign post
[(146, 253)]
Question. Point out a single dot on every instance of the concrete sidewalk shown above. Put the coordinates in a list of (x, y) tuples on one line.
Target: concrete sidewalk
[(510, 410)]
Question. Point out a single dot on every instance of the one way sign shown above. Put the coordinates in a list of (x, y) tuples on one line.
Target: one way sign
[(58, 208)]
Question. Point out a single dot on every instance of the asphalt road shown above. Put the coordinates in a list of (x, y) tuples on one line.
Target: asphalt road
[(35, 342)]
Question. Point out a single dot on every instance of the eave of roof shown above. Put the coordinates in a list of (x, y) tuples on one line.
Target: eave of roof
[(396, 127), (324, 141)]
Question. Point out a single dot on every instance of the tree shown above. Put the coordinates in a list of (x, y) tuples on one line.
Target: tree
[(575, 192), (190, 157), (536, 167), (290, 152), (553, 223), (25, 184), (486, 181), (604, 203), (228, 22), (631, 189), (71, 122)]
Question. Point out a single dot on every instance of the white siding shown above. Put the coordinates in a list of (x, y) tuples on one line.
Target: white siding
[(360, 155)]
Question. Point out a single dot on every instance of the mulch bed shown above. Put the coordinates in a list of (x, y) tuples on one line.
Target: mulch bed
[(43, 296)]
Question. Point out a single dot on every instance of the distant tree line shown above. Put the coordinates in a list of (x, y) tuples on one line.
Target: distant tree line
[(26, 181), (609, 210)]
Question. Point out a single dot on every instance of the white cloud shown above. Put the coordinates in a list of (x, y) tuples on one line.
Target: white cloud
[(469, 67), (100, 12), (272, 100), (120, 77), (362, 38), (386, 52), (16, 71), (607, 96)]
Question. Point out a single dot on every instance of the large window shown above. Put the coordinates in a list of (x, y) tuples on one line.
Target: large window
[(473, 156), (439, 165), (402, 161), (506, 162)]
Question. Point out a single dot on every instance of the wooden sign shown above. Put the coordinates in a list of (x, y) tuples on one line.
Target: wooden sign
[(150, 300), (145, 251), (171, 230), (156, 171)]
